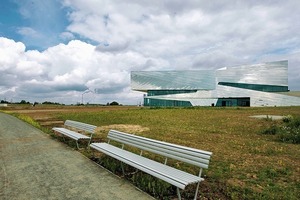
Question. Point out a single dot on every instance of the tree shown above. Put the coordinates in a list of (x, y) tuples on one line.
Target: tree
[(4, 101), (24, 102), (114, 103)]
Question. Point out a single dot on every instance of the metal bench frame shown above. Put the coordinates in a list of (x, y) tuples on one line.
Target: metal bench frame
[(174, 176), (69, 124)]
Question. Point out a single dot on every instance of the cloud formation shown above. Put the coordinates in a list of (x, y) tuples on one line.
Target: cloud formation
[(106, 40), (63, 72)]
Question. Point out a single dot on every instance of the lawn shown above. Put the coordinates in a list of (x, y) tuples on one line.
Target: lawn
[(245, 163)]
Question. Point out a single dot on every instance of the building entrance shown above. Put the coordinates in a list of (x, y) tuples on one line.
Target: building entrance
[(234, 101)]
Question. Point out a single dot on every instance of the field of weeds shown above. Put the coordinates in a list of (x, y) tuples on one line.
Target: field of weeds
[(246, 164)]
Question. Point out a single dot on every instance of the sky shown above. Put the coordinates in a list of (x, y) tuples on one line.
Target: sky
[(78, 51)]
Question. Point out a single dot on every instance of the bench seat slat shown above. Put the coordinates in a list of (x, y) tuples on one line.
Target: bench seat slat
[(168, 170), (169, 174), (71, 134)]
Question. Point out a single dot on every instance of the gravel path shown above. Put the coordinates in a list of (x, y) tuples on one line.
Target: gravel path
[(34, 166)]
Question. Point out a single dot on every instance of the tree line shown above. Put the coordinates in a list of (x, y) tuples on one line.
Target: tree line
[(114, 103)]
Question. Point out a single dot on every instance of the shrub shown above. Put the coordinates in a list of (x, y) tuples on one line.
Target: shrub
[(289, 132), (272, 130), (294, 123), (292, 136), (287, 118)]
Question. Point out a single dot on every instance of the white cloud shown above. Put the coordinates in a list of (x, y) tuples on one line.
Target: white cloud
[(62, 70), (27, 31), (67, 36), (10, 52), (114, 47)]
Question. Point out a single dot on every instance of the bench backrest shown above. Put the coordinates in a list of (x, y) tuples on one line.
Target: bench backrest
[(81, 126), (185, 154)]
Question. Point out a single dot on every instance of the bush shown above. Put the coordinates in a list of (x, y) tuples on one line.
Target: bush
[(289, 132), (290, 136), (272, 130), (287, 118), (294, 123)]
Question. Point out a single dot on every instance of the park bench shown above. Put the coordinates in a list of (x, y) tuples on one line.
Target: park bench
[(172, 175), (76, 131)]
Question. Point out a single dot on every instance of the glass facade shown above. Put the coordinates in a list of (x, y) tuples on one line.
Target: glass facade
[(247, 85), (233, 102), (173, 80), (272, 73), (258, 87), (166, 92), (166, 103)]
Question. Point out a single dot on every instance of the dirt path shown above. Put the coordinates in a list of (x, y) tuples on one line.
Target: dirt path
[(33, 166)]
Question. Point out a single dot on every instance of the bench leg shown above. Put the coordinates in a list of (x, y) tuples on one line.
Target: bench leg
[(178, 194), (77, 144), (88, 147), (196, 193), (122, 166)]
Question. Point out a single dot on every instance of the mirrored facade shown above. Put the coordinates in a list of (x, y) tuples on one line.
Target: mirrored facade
[(263, 84)]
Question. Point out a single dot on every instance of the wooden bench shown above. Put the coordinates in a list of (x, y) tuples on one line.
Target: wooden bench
[(72, 129), (174, 176)]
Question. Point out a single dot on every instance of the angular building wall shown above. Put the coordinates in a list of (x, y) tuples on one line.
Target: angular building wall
[(173, 80), (272, 76), (271, 73), (247, 85)]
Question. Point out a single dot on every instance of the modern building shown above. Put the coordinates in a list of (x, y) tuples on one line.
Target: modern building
[(263, 84)]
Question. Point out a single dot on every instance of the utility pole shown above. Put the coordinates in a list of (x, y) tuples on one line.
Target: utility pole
[(87, 91)]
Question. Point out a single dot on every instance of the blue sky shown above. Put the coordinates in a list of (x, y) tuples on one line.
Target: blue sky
[(56, 50), (36, 23)]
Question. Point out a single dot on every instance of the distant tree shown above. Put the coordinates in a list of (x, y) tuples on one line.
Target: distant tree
[(24, 102), (4, 101), (52, 103), (114, 103)]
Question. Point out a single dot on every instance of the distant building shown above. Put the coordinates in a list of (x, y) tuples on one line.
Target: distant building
[(263, 84)]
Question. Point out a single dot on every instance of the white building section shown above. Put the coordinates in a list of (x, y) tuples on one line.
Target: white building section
[(257, 85)]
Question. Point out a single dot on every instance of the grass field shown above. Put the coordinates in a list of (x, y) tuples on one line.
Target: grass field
[(245, 163)]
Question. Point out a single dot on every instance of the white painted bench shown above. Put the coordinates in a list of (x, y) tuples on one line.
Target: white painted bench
[(74, 134), (174, 176)]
